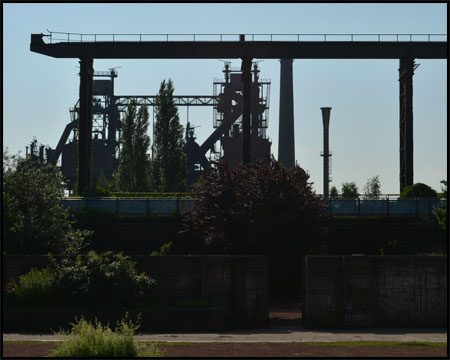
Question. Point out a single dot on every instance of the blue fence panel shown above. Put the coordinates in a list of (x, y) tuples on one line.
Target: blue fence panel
[(426, 206), (102, 204), (133, 206), (76, 204), (185, 204), (402, 207), (339, 207), (373, 207), (344, 207), (162, 206)]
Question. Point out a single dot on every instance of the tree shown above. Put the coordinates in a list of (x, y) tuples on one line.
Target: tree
[(168, 160), (334, 194), (141, 148), (443, 194), (133, 173), (34, 220), (349, 190), (418, 190), (372, 189), (261, 208), (125, 176)]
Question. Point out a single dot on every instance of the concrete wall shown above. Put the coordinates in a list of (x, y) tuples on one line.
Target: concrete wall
[(380, 291), (237, 284)]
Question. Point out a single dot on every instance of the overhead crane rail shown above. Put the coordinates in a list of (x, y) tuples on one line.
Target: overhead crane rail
[(55, 37)]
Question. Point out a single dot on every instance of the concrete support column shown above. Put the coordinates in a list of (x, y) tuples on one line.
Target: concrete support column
[(286, 144), (406, 72), (85, 125), (247, 80)]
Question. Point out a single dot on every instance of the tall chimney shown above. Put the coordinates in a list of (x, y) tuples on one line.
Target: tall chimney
[(286, 146), (326, 149)]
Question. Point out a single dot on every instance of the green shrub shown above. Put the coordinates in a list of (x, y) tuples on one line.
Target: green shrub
[(96, 340), (101, 279), (35, 288), (96, 192), (418, 190), (440, 216), (33, 218), (163, 250)]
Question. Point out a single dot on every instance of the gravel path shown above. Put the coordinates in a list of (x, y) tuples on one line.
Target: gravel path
[(276, 334)]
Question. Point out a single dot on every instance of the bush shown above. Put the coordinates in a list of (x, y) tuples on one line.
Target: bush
[(34, 220), (163, 250), (101, 279), (261, 208), (35, 288), (96, 192), (418, 190), (440, 216), (95, 340)]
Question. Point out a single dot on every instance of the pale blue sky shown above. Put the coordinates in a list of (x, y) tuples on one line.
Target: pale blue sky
[(364, 126)]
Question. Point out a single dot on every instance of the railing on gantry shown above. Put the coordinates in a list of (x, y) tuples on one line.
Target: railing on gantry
[(56, 37)]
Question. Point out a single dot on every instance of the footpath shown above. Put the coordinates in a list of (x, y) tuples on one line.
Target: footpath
[(273, 334)]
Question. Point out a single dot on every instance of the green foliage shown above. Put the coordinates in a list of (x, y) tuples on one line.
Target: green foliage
[(133, 173), (443, 194), (88, 339), (261, 208), (125, 171), (372, 189), (418, 190), (334, 194), (109, 185), (102, 279), (35, 288), (142, 164), (34, 220), (97, 192), (163, 250), (440, 215), (349, 190), (169, 160)]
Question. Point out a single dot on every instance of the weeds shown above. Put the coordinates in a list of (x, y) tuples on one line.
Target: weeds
[(87, 339)]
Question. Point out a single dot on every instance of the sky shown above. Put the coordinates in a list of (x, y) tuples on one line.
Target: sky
[(363, 94)]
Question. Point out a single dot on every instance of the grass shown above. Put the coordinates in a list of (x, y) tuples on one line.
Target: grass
[(87, 339), (379, 343)]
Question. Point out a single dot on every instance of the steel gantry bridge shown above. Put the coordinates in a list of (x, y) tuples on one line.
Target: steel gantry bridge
[(87, 47)]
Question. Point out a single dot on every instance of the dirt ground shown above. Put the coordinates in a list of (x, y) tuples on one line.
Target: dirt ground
[(278, 319), (252, 350)]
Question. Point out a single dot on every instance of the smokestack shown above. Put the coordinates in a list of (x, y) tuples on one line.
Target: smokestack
[(326, 150), (286, 146)]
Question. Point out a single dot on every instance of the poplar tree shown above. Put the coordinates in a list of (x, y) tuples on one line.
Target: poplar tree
[(141, 148), (134, 165), (126, 178), (169, 160)]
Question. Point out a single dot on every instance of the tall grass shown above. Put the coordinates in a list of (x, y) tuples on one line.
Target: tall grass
[(87, 339), (35, 288)]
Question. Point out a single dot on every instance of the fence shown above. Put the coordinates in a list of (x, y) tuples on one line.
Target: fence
[(335, 207)]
